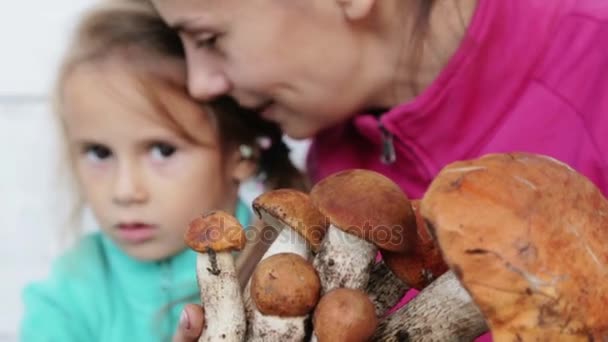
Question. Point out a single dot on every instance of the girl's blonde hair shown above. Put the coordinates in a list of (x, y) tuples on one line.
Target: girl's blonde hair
[(133, 27)]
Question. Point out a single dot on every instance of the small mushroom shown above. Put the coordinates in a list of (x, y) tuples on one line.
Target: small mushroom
[(215, 236), (366, 211), (526, 235), (285, 289), (344, 315), (424, 263), (299, 225), (443, 311)]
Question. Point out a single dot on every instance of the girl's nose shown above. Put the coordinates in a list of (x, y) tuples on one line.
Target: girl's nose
[(207, 81), (129, 187)]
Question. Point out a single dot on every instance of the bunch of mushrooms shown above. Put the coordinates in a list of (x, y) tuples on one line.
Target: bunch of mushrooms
[(480, 247)]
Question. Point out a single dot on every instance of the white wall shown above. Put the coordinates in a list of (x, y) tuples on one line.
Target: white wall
[(33, 35)]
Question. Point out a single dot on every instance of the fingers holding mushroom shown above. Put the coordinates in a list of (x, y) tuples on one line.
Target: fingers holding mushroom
[(214, 237), (526, 235)]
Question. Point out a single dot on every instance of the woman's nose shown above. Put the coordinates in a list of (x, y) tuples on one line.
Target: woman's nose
[(207, 81), (129, 188)]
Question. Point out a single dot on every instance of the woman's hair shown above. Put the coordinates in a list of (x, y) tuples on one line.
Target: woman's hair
[(420, 31), (133, 28)]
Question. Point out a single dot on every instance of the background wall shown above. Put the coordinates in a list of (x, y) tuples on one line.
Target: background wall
[(33, 35)]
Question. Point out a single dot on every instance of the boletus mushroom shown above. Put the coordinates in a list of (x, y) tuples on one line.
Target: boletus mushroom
[(300, 226), (214, 237), (366, 211), (285, 289), (344, 315), (423, 264), (527, 237)]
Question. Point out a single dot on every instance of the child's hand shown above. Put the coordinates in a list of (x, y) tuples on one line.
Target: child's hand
[(190, 324)]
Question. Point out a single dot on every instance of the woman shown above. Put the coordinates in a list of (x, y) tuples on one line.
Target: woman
[(405, 87)]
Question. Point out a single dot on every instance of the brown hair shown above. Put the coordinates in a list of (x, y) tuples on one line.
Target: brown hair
[(420, 31), (133, 27)]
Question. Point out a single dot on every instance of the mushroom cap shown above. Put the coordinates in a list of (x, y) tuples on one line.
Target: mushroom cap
[(526, 235), (368, 205), (294, 209), (285, 285), (345, 315), (419, 267), (218, 231)]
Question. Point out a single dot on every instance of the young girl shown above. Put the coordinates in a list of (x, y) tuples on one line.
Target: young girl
[(404, 87), (147, 159)]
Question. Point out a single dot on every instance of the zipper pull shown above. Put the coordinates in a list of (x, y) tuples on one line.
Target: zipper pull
[(388, 147)]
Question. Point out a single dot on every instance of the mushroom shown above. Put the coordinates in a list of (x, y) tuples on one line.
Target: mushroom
[(298, 223), (424, 263), (384, 288), (344, 315), (526, 235), (443, 311), (285, 289), (215, 236), (366, 210), (300, 226)]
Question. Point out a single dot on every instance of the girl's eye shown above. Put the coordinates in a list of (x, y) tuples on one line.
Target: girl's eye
[(97, 153), (161, 151)]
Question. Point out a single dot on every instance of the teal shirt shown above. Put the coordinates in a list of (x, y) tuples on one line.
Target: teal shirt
[(96, 292)]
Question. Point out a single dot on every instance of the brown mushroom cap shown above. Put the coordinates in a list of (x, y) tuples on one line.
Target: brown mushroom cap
[(218, 231), (526, 235), (294, 209), (345, 315), (285, 285), (424, 263), (368, 205)]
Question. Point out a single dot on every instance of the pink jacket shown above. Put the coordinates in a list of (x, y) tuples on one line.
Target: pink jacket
[(530, 75)]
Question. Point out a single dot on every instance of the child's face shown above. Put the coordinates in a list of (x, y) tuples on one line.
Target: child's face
[(143, 180), (297, 62)]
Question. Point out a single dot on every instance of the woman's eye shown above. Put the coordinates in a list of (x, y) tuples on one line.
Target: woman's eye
[(161, 151), (97, 153), (207, 41)]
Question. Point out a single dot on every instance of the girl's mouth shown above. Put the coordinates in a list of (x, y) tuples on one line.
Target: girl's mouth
[(136, 232)]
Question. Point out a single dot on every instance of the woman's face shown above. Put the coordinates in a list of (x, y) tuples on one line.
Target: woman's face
[(298, 63)]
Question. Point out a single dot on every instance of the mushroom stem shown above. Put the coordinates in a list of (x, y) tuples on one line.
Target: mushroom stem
[(443, 311), (344, 260), (276, 328), (288, 241), (384, 288), (221, 295)]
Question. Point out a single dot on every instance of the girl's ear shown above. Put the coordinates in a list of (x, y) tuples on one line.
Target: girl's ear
[(356, 9)]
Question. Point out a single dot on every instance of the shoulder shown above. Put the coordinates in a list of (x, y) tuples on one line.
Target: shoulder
[(80, 269), (59, 306)]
